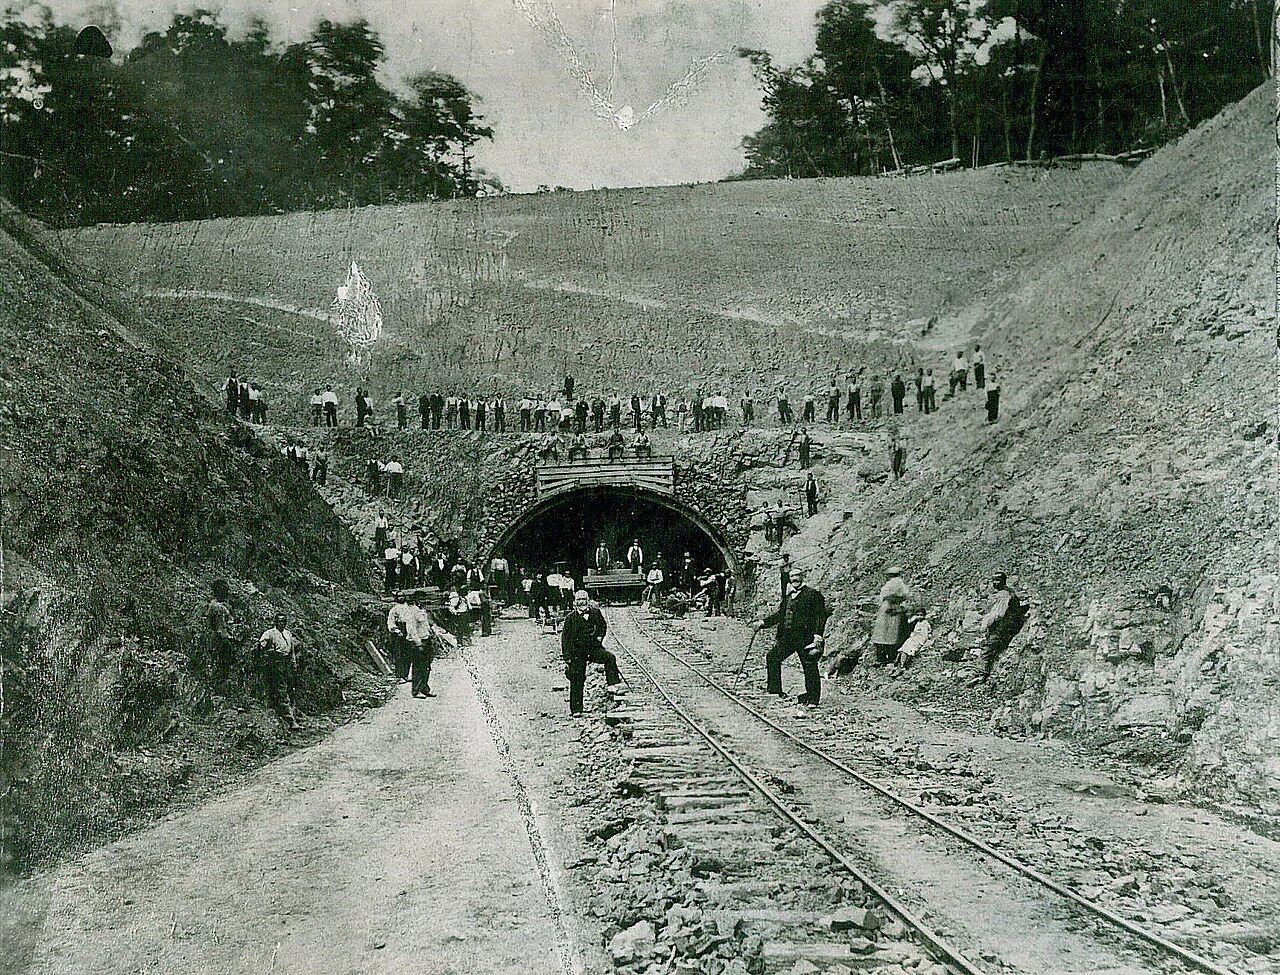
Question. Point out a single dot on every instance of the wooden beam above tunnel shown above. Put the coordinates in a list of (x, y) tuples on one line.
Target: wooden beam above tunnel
[(652, 474)]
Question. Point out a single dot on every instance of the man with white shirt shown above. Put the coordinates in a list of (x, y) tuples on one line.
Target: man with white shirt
[(423, 645), (329, 405), (391, 566), (398, 624), (278, 650), (959, 373), (635, 556), (979, 367), (395, 477), (317, 408), (526, 415)]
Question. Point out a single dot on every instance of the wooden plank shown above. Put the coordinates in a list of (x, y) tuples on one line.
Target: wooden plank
[(378, 659)]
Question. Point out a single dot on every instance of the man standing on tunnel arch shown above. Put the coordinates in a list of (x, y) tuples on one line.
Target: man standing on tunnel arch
[(581, 643), (800, 619)]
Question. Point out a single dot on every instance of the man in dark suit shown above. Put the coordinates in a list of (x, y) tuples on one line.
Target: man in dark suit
[(581, 644), (800, 620)]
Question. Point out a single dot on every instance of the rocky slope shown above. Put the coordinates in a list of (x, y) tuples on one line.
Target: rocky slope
[(124, 494), (1129, 486)]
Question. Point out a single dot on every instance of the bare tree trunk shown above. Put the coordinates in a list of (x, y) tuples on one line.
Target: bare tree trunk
[(1008, 122), (1258, 38), (955, 122), (1164, 102), (1173, 80), (888, 126), (1035, 96)]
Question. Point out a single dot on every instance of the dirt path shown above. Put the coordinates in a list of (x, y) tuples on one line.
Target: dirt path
[(396, 846)]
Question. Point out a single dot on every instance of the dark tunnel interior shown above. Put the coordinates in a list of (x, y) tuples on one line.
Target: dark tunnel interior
[(567, 530)]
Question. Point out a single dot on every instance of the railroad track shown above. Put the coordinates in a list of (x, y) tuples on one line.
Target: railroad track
[(956, 896), (776, 874)]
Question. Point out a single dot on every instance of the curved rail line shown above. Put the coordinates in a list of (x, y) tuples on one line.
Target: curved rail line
[(1136, 930), (930, 939)]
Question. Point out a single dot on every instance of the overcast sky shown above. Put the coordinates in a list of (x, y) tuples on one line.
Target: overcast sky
[(546, 127)]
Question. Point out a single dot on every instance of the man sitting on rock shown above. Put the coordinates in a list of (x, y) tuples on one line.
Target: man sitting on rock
[(1001, 624), (616, 445), (642, 446), (581, 643)]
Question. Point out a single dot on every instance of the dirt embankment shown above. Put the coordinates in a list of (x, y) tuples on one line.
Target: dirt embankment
[(1129, 485), (742, 284), (124, 494)]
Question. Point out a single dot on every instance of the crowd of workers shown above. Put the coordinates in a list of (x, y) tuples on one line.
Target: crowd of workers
[(414, 637), (553, 596), (856, 398)]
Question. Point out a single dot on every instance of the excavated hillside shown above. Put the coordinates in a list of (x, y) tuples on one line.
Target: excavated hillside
[(1129, 486), (124, 494), (741, 283)]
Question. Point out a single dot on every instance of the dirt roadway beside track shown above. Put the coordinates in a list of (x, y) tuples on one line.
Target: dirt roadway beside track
[(396, 846)]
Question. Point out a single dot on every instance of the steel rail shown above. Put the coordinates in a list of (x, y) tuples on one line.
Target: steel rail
[(1143, 934), (932, 941)]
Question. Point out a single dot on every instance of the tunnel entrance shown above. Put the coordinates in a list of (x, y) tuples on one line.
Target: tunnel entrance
[(567, 527)]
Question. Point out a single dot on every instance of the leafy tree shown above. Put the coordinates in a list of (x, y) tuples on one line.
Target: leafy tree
[(1011, 78), (195, 123)]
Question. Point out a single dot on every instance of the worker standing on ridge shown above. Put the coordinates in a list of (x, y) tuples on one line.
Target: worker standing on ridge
[(993, 398), (800, 619), (959, 373), (979, 367), (395, 477), (898, 393), (279, 661), (330, 400), (811, 495), (402, 411), (806, 449), (232, 390), (581, 643), (221, 645), (833, 402)]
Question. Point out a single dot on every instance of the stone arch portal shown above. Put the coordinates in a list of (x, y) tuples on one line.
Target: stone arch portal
[(566, 526)]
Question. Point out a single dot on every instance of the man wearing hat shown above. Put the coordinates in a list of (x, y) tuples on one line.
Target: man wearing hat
[(1001, 624), (581, 643), (890, 628), (279, 649), (800, 621)]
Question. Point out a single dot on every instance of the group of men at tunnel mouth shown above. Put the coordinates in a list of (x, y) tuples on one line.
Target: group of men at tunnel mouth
[(416, 634)]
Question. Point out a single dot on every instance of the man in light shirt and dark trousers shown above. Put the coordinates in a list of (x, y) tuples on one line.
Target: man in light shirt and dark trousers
[(278, 649)]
